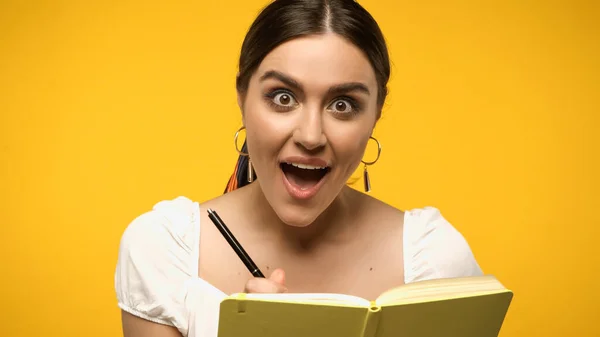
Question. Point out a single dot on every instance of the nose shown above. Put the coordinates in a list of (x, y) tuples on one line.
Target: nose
[(309, 130)]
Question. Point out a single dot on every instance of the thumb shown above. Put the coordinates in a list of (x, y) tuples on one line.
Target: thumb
[(278, 275)]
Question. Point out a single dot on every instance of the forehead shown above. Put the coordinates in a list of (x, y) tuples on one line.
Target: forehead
[(320, 61)]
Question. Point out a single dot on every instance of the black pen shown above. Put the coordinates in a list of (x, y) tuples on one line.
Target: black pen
[(239, 250)]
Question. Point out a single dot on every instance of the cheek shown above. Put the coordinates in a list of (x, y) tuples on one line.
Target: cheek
[(348, 145), (265, 132)]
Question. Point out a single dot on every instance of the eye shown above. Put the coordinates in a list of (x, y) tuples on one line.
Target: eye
[(343, 106), (283, 99)]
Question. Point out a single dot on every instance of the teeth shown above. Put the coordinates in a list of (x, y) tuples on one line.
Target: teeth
[(307, 167)]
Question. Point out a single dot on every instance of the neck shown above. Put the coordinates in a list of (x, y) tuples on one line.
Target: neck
[(333, 225)]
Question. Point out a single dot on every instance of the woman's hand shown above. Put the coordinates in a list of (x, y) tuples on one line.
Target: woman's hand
[(274, 284)]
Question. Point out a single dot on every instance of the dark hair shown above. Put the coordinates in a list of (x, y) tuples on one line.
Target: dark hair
[(284, 20)]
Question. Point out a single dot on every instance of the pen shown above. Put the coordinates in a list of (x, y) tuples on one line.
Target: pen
[(239, 250)]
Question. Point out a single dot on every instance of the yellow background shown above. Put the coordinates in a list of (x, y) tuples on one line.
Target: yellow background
[(110, 106)]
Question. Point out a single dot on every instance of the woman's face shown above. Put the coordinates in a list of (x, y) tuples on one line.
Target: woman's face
[(309, 111)]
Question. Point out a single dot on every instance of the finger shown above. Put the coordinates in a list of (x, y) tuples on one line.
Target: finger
[(262, 285), (278, 275)]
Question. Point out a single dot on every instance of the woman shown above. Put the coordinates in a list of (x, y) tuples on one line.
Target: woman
[(311, 84)]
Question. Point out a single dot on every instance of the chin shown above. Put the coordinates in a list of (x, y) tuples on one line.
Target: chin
[(300, 191), (297, 216)]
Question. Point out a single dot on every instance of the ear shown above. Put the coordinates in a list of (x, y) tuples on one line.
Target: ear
[(375, 123), (240, 97), (378, 117), (240, 101)]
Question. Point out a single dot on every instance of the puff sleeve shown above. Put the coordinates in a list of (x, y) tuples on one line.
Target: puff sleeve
[(434, 248), (155, 262)]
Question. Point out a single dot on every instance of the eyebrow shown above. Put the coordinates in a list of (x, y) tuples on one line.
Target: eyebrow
[(272, 74), (334, 90), (347, 87)]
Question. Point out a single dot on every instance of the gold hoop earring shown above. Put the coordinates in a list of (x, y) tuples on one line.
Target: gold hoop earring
[(250, 175), (366, 179)]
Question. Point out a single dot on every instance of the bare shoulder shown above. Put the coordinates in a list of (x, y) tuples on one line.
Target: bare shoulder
[(218, 264), (224, 201), (377, 210), (134, 326)]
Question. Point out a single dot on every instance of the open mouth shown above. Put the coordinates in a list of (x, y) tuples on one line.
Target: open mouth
[(303, 177)]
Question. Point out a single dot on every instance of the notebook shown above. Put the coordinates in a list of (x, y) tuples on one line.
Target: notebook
[(451, 307)]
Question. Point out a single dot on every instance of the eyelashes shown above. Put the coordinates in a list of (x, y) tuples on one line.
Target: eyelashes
[(344, 105), (283, 100)]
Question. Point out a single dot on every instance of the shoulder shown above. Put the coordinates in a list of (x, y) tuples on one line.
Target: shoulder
[(434, 248), (168, 227), (155, 261)]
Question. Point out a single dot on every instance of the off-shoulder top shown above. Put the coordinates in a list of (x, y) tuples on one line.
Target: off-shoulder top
[(156, 276)]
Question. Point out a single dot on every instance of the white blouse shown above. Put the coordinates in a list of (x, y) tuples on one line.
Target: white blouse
[(157, 279)]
